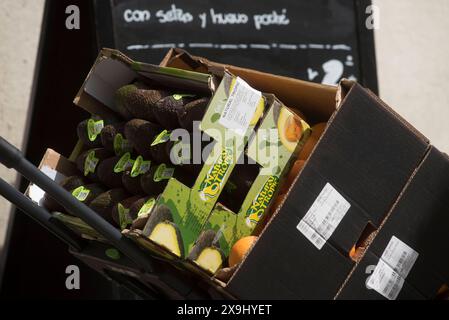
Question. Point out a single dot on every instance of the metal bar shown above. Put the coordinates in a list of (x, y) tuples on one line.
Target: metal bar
[(11, 157), (40, 215)]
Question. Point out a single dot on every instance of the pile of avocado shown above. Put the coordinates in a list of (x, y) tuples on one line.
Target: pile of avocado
[(125, 163)]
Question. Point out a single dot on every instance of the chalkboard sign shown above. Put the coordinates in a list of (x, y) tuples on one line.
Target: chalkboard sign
[(319, 40)]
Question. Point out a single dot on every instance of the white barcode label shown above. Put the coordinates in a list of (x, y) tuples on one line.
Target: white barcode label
[(324, 216), (386, 281), (393, 268), (400, 256), (240, 107)]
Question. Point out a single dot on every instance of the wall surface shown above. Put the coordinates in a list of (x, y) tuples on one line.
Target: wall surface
[(411, 46), (413, 63), (20, 24)]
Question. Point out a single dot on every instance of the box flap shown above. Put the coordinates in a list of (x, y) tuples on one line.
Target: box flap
[(356, 287), (316, 101), (56, 167), (113, 70), (421, 220), (366, 155)]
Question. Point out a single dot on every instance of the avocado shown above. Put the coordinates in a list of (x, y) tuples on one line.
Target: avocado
[(166, 110), (72, 182), (131, 184), (207, 253), (161, 213), (113, 139), (120, 212), (87, 193), (140, 211), (210, 259), (160, 147), (89, 130), (131, 176), (137, 101), (155, 180), (192, 111), (88, 161), (69, 183), (121, 98), (110, 170), (161, 229), (140, 133), (167, 235), (104, 203)]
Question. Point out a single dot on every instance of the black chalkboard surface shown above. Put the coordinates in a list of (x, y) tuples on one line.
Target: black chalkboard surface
[(319, 40)]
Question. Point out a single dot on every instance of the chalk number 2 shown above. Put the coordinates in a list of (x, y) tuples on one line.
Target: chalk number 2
[(333, 71)]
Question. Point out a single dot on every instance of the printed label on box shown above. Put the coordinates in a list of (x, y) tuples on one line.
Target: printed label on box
[(400, 256), (324, 216), (240, 107), (393, 268)]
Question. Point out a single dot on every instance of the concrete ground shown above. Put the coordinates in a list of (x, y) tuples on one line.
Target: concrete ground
[(20, 22), (411, 47)]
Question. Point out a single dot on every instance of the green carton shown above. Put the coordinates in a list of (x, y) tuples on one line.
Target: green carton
[(181, 211), (188, 221), (278, 138)]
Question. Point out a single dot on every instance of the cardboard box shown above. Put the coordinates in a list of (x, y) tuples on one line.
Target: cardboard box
[(112, 70), (194, 211), (57, 167), (416, 236), (368, 174), (363, 165), (359, 167)]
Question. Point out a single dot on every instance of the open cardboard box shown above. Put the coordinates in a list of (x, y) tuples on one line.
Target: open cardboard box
[(57, 167), (112, 70), (350, 189), (418, 218), (368, 165)]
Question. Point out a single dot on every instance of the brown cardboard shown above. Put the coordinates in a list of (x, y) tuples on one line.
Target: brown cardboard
[(374, 213), (369, 154), (112, 70), (57, 167), (54, 165), (181, 59), (316, 101), (419, 218)]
